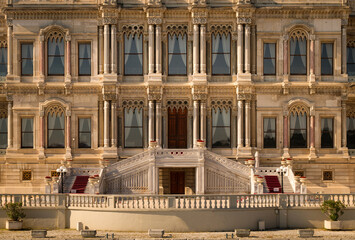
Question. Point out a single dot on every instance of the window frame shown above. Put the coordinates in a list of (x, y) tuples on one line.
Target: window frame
[(47, 130), (124, 128), (7, 132), (332, 173), (230, 55), (307, 131), (263, 131), (321, 130), (124, 54), (47, 58), (270, 42), (230, 127), (187, 50), (289, 58), (21, 58), (33, 130), (347, 62), (79, 58), (5, 64), (84, 117), (333, 52)]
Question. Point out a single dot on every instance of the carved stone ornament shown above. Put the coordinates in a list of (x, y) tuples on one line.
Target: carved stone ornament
[(245, 96), (54, 33), (155, 20), (154, 93), (298, 109), (133, 104), (3, 42), (177, 104), (199, 20), (55, 109), (351, 43), (221, 29), (109, 20), (350, 111), (244, 20), (298, 34), (199, 93), (222, 104), (176, 30), (109, 97), (132, 29), (9, 22), (3, 109)]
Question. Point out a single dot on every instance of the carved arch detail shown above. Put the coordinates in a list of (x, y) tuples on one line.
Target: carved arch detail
[(350, 111), (299, 106), (55, 106), (133, 104), (55, 32), (3, 42), (222, 104), (176, 30), (221, 29), (133, 29), (3, 109), (177, 103)]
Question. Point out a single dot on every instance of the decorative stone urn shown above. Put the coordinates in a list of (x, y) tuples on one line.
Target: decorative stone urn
[(332, 225), (200, 143), (289, 161), (14, 225), (153, 144), (283, 162)]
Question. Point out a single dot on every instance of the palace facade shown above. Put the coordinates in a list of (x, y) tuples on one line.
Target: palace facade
[(173, 96)]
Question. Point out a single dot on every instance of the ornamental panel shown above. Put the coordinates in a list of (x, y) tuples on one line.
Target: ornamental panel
[(221, 104), (133, 104), (176, 30), (221, 29), (133, 29), (299, 109)]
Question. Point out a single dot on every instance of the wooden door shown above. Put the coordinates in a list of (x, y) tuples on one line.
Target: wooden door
[(177, 128), (177, 182)]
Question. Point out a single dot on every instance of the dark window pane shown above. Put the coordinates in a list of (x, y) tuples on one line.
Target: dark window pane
[(269, 133), (3, 61), (27, 132), (327, 59), (177, 55), (327, 133), (221, 128), (84, 59), (269, 58), (55, 131), (133, 128), (27, 59), (221, 54), (298, 131), (84, 133), (133, 55), (298, 56), (351, 61), (350, 127), (55, 57), (3, 133)]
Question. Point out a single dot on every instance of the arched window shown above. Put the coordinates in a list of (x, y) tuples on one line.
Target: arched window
[(221, 127), (350, 128), (55, 127), (298, 126), (221, 54), (298, 52), (3, 57), (133, 127), (3, 125), (55, 53), (133, 53), (177, 54)]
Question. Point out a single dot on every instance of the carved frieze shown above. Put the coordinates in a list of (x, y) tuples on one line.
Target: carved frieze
[(199, 93), (154, 93)]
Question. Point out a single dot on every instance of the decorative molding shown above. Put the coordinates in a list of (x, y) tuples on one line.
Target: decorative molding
[(3, 109), (133, 104), (226, 104), (176, 30), (133, 29), (177, 103), (221, 29)]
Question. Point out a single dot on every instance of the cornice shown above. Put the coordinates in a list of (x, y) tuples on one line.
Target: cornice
[(303, 12), (51, 13)]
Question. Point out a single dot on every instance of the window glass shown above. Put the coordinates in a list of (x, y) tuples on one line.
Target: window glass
[(269, 59), (177, 55), (27, 59), (298, 131), (327, 133), (298, 56), (84, 133), (269, 132), (3, 61), (133, 125), (221, 54), (55, 131), (56, 56), (85, 59), (351, 61), (27, 132), (221, 122), (327, 59), (133, 55), (3, 133), (350, 132)]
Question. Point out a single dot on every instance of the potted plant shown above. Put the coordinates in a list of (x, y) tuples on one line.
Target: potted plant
[(15, 213), (333, 210)]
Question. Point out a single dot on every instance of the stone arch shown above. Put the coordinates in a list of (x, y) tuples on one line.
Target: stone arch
[(222, 104), (299, 30), (54, 32), (54, 106), (299, 106)]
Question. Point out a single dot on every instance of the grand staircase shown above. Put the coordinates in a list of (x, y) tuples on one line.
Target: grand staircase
[(80, 183), (273, 185)]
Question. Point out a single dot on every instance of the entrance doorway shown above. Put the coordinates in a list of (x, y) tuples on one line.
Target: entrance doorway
[(177, 182), (177, 128)]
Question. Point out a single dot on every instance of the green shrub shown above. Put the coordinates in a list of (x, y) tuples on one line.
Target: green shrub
[(14, 211), (333, 209)]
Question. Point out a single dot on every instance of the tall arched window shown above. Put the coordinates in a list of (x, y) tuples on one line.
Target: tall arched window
[(177, 54), (221, 127), (55, 53), (298, 127), (3, 125), (221, 54), (55, 127), (133, 54), (133, 127), (3, 57), (298, 52)]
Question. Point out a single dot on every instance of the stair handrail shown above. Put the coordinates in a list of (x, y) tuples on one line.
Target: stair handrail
[(291, 178), (234, 166), (101, 181)]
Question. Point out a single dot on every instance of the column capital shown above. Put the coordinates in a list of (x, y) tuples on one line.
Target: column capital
[(244, 20), (109, 97), (154, 21), (199, 20), (154, 93), (9, 22)]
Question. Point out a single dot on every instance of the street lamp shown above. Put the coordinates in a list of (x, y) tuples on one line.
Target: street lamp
[(281, 171), (62, 170)]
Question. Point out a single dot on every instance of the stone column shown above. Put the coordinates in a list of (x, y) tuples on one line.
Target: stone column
[(312, 58), (158, 48), (196, 134), (41, 56), (41, 129), (285, 63), (203, 48), (253, 49), (101, 123), (158, 124), (343, 124), (343, 50), (253, 123), (312, 131), (113, 124), (285, 131), (151, 121), (101, 49), (9, 125), (240, 123), (67, 144), (196, 49), (68, 57), (9, 49), (247, 48), (247, 123), (106, 123), (240, 50), (113, 49), (106, 49), (151, 49), (203, 122)]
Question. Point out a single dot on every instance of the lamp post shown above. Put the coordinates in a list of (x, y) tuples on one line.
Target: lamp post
[(281, 171), (62, 170)]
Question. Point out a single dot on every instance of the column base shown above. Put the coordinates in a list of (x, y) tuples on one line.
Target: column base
[(67, 78), (108, 77), (41, 155), (153, 78), (312, 154), (286, 153), (244, 77), (345, 152), (244, 152), (68, 155), (109, 153), (312, 78), (199, 78)]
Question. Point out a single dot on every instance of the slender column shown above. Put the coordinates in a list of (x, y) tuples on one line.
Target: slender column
[(101, 123), (253, 49), (113, 124), (311, 70), (67, 144), (343, 49), (203, 122), (9, 125), (158, 48), (247, 123), (106, 123), (195, 122), (240, 49), (196, 49), (240, 123), (203, 48), (285, 131), (253, 123), (41, 130), (106, 49), (151, 121), (101, 49), (151, 49), (41, 56), (247, 48), (113, 49), (343, 124), (285, 56), (68, 58), (158, 123), (9, 50), (312, 131)]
